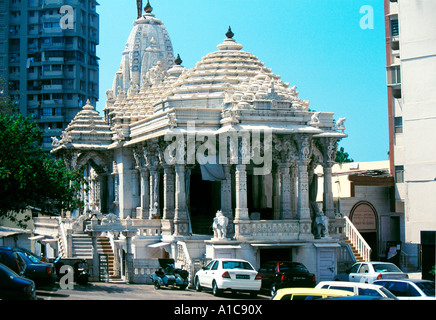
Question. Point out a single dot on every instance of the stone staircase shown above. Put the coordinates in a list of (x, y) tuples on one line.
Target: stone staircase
[(104, 247), (82, 248), (356, 253)]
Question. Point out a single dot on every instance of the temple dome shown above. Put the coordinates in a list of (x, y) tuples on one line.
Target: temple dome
[(148, 43), (228, 78), (87, 130)]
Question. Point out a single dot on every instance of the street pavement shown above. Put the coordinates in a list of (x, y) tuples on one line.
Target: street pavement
[(126, 291)]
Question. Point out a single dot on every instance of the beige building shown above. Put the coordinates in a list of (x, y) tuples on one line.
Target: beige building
[(364, 192), (411, 66)]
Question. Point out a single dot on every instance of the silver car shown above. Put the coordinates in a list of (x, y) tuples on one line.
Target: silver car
[(368, 272), (412, 289)]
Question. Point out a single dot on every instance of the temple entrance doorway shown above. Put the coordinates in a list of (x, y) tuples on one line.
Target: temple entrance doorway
[(364, 217), (205, 201)]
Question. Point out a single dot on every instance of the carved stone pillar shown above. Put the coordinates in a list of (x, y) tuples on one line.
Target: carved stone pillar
[(294, 190), (241, 211), (226, 197), (303, 209), (328, 205), (154, 191), (276, 192), (180, 213), (329, 151), (168, 209), (285, 191), (145, 193)]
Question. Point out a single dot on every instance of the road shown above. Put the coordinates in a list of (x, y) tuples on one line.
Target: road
[(125, 291)]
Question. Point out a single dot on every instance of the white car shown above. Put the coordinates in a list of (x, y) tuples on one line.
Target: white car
[(228, 274), (368, 272), (412, 289), (359, 289)]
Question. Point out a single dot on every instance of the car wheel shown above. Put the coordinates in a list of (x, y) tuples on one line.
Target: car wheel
[(273, 290), (197, 285), (215, 291), (156, 285)]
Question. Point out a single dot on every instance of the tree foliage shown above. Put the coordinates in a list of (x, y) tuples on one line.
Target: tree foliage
[(342, 156), (30, 177)]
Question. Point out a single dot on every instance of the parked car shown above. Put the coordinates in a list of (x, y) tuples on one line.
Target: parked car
[(309, 294), (15, 287), (410, 289), (12, 260), (359, 298), (358, 288), (228, 274), (368, 272), (283, 274), (18, 259)]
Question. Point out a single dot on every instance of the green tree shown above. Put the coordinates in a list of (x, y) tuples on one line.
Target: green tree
[(342, 156), (30, 177)]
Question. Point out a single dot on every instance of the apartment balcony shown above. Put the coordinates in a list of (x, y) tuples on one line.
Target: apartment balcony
[(52, 74), (49, 119), (51, 87), (52, 103), (395, 43), (52, 46), (33, 75), (56, 60)]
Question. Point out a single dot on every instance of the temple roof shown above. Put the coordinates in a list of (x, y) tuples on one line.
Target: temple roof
[(226, 76), (147, 44), (87, 130), (228, 88)]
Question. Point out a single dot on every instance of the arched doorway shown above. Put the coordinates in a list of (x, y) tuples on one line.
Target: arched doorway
[(364, 217)]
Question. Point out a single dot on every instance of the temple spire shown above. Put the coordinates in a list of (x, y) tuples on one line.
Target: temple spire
[(148, 8), (229, 33), (139, 8)]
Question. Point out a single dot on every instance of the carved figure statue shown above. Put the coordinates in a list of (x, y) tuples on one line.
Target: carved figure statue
[(219, 226), (340, 124), (320, 226), (315, 118)]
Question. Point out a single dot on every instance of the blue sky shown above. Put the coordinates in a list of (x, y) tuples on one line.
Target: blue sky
[(317, 45)]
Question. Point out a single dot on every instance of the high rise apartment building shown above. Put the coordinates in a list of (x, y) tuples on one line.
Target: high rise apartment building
[(411, 68), (48, 58)]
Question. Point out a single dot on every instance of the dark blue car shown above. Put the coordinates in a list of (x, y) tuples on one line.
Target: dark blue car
[(14, 287), (28, 265)]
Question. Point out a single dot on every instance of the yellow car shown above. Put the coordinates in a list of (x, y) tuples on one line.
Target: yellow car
[(309, 294)]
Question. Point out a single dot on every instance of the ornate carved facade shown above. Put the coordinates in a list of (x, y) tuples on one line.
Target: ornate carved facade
[(176, 145)]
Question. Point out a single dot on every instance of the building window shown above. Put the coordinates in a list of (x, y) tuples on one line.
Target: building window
[(395, 75), (395, 31), (398, 124), (399, 174)]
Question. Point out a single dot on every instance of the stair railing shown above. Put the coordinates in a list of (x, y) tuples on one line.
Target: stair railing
[(357, 240), (63, 244)]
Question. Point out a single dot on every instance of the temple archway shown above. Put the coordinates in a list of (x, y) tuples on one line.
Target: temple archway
[(365, 218)]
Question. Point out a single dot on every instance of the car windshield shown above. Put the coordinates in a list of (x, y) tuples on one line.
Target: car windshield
[(298, 267), (237, 265), (31, 257), (427, 287), (388, 293), (385, 267)]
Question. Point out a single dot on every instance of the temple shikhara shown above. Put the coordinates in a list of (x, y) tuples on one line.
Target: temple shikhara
[(195, 164)]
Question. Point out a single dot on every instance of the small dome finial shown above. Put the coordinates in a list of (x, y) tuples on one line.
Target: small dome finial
[(229, 33), (148, 8), (178, 61)]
